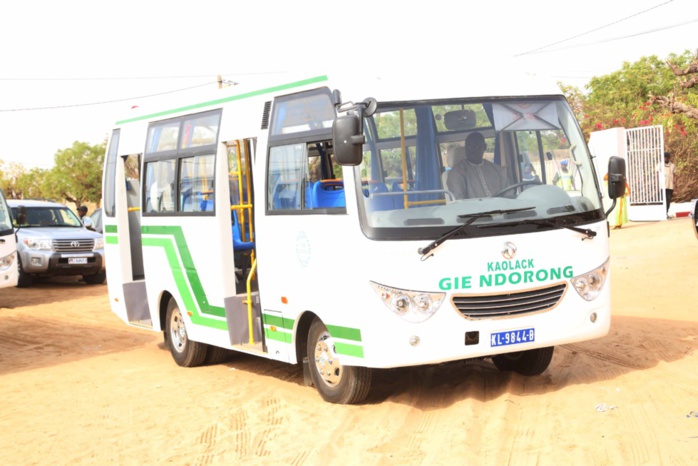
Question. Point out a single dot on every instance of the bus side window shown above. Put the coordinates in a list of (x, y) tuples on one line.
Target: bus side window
[(160, 186), (287, 173), (196, 183), (304, 177)]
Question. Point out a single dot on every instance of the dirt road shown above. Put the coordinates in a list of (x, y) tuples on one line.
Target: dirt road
[(79, 387)]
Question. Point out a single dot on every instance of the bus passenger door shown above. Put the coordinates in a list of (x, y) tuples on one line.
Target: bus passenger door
[(123, 250), (240, 319)]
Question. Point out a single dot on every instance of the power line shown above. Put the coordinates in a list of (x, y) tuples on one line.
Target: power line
[(602, 41), (135, 78), (105, 101), (593, 30)]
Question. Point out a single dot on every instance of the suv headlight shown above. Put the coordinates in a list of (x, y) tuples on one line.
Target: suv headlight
[(99, 243), (413, 306), (6, 262), (43, 244), (590, 284)]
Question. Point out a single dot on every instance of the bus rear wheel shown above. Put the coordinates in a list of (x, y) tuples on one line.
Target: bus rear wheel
[(531, 362), (335, 383), (185, 352)]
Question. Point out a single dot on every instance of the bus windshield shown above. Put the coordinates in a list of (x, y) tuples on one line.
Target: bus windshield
[(426, 166)]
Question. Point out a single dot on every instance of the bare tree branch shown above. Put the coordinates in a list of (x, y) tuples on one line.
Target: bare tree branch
[(689, 83), (690, 69), (670, 104)]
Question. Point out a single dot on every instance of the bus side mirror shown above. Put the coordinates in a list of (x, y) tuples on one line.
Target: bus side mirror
[(616, 177), (348, 139)]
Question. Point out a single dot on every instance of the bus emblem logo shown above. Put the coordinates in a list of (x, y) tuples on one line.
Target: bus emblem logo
[(509, 251)]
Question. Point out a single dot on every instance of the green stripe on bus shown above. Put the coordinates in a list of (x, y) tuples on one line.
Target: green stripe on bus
[(283, 337), (110, 229), (246, 95), (348, 350), (344, 333), (278, 321), (111, 239), (183, 283), (190, 269)]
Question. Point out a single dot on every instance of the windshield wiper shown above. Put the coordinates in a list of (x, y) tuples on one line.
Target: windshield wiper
[(589, 234), (471, 218)]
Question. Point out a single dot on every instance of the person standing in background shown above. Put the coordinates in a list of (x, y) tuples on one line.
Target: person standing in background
[(667, 184), (82, 211)]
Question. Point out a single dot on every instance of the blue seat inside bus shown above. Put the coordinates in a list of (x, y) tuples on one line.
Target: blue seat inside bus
[(206, 202), (238, 243), (328, 194)]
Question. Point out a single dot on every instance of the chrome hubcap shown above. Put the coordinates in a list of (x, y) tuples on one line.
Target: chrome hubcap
[(326, 361), (178, 334)]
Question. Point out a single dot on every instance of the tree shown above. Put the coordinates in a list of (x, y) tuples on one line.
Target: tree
[(679, 101), (646, 93), (77, 174), (18, 183)]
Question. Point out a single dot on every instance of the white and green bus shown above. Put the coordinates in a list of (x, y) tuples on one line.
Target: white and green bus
[(8, 246), (310, 222)]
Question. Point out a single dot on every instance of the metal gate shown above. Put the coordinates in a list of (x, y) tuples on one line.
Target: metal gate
[(645, 169)]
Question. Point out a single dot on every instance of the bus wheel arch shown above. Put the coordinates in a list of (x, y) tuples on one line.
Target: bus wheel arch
[(301, 334), (165, 298), (335, 382), (185, 352)]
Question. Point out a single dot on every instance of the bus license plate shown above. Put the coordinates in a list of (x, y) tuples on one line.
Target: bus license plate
[(513, 337), (77, 260)]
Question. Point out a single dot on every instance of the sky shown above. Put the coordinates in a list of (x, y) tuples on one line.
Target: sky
[(70, 69)]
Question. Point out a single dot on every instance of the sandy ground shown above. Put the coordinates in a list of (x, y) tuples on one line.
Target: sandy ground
[(79, 387)]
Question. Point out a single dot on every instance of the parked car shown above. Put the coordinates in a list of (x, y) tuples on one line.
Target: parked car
[(53, 241), (96, 221)]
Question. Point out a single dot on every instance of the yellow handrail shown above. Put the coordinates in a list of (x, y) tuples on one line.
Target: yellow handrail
[(250, 316), (404, 157)]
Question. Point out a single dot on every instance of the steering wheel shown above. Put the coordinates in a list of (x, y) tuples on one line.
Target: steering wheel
[(516, 185)]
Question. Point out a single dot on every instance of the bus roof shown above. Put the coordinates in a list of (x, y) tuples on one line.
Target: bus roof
[(355, 87)]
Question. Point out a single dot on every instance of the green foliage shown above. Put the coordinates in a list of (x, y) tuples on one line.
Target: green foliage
[(77, 174), (18, 183), (623, 99)]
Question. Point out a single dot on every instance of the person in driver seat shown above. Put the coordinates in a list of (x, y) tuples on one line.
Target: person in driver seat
[(471, 176)]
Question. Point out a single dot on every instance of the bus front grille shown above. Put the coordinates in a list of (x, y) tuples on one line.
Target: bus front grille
[(73, 245), (509, 304)]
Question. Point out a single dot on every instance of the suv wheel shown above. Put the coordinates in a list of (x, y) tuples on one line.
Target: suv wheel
[(96, 279), (24, 279)]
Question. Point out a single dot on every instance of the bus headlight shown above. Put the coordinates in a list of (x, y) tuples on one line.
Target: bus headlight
[(413, 306), (39, 244), (6, 262), (590, 284)]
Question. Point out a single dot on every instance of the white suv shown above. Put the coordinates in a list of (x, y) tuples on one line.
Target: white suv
[(51, 241)]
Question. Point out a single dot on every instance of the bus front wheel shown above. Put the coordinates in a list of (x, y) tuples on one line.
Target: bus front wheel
[(335, 382), (531, 362), (185, 352)]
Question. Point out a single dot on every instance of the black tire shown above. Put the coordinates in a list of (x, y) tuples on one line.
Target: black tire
[(185, 352), (531, 362), (217, 355), (23, 279), (335, 383), (96, 279)]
